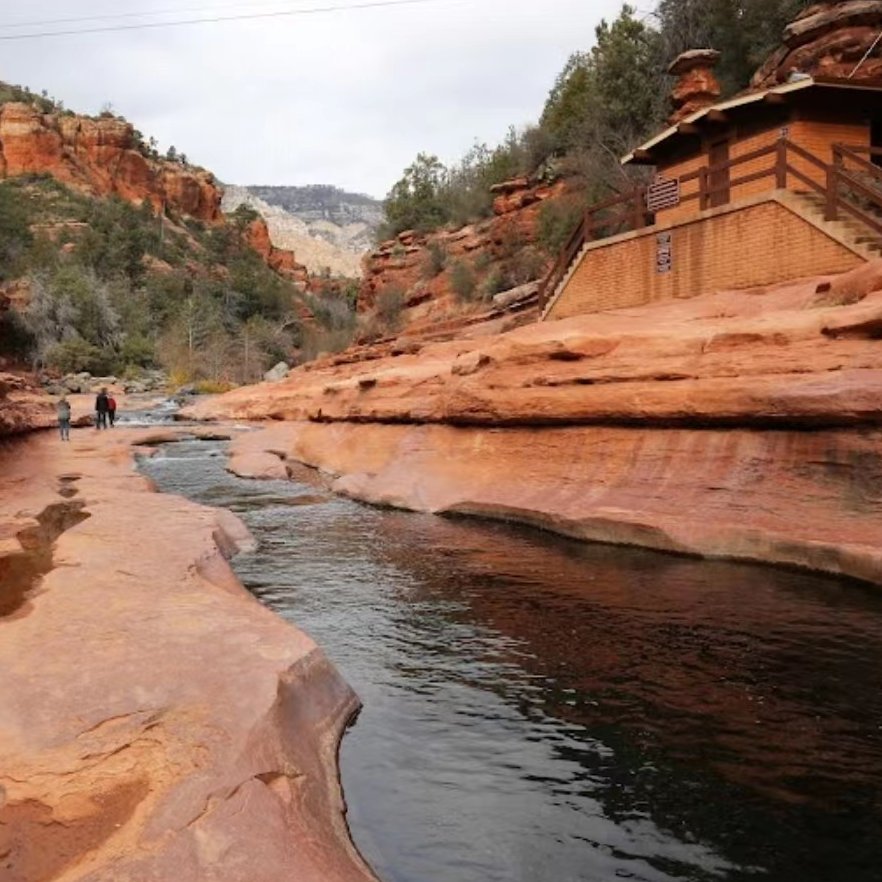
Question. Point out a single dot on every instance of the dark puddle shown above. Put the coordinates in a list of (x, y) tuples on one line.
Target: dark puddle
[(20, 573)]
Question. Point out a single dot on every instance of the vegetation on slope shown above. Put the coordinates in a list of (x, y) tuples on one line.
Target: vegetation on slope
[(604, 101), (113, 288)]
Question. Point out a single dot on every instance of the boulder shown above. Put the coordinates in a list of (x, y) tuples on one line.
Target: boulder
[(279, 372)]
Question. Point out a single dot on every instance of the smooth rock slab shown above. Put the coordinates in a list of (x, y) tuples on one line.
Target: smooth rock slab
[(156, 722)]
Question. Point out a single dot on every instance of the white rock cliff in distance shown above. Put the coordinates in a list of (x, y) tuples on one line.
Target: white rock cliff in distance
[(318, 243)]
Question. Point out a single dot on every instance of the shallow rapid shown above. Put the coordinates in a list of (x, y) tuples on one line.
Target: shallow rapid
[(539, 710)]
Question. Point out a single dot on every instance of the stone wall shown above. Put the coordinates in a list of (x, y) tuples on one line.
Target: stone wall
[(757, 243)]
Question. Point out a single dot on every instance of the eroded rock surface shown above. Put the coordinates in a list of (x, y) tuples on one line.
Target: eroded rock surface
[(833, 39), (156, 722), (744, 424), (100, 156), (24, 406)]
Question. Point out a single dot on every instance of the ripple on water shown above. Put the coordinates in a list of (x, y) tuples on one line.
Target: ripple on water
[(541, 710)]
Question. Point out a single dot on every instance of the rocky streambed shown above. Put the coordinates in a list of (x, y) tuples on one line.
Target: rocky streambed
[(541, 709)]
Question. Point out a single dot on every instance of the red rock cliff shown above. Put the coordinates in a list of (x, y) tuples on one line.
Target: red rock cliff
[(100, 156), (498, 253), (257, 236), (828, 39)]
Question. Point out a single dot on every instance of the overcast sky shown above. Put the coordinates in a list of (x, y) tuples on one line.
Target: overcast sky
[(345, 98)]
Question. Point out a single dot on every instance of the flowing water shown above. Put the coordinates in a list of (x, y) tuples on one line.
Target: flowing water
[(539, 710)]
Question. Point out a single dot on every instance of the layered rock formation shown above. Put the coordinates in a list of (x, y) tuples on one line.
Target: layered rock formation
[(284, 262), (679, 425), (494, 255), (697, 86), (835, 39), (320, 243), (24, 406), (176, 729), (100, 156)]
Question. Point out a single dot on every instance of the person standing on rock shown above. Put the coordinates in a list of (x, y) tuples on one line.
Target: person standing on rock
[(63, 410), (102, 406), (111, 410)]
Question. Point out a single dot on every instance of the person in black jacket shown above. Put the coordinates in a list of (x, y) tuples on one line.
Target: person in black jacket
[(102, 405)]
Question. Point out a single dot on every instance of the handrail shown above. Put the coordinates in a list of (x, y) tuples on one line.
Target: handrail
[(863, 216), (805, 179), (840, 152), (634, 213), (802, 153), (859, 148)]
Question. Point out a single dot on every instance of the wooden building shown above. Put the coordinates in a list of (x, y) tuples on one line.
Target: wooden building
[(766, 187)]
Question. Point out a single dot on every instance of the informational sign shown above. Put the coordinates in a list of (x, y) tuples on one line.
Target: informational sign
[(664, 255), (662, 193)]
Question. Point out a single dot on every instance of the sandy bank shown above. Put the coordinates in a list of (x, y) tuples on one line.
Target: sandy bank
[(156, 722)]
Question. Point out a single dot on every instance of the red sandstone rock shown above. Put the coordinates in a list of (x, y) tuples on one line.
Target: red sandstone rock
[(489, 247), (697, 86), (827, 39), (23, 406), (99, 156), (157, 722), (716, 493), (734, 358), (569, 424), (257, 236)]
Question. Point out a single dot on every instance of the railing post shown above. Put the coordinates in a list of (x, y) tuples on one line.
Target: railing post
[(781, 164), (830, 212), (702, 188)]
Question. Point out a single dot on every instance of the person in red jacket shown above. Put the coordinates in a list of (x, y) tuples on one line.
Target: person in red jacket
[(111, 410)]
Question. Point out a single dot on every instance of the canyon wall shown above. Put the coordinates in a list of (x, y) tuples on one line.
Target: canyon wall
[(101, 156), (439, 276), (742, 423), (322, 240)]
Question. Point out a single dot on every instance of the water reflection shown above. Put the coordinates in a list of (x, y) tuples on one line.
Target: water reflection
[(537, 709)]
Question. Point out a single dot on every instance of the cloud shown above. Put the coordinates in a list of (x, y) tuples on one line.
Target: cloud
[(347, 98)]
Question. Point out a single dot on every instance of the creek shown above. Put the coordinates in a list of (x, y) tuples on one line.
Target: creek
[(541, 710)]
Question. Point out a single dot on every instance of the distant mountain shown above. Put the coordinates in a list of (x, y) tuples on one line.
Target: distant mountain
[(322, 202), (330, 234)]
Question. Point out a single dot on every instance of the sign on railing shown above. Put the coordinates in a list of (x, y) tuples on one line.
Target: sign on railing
[(662, 193)]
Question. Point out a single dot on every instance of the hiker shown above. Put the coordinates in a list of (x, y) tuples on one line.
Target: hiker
[(111, 410), (63, 410), (102, 403)]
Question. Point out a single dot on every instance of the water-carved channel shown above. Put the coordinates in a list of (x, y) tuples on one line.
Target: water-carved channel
[(537, 709)]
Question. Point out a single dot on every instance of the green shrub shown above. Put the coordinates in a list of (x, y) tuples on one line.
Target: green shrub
[(435, 262), (557, 220), (73, 356), (463, 281), (525, 266), (390, 304), (494, 282)]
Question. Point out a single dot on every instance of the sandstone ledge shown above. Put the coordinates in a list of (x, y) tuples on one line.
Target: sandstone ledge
[(156, 722), (802, 499)]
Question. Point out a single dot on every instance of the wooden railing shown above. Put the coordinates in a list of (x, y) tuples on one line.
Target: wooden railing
[(852, 184)]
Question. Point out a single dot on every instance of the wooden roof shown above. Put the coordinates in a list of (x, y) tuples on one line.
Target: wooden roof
[(742, 104)]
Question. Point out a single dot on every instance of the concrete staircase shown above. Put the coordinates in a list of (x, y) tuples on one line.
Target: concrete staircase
[(847, 229)]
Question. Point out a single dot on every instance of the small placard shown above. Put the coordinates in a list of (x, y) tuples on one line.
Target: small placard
[(662, 193), (664, 255)]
